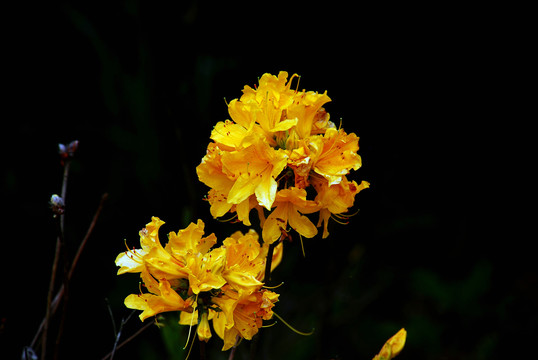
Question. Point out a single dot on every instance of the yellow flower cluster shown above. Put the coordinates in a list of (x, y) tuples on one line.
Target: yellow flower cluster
[(279, 144), (281, 155), (222, 284)]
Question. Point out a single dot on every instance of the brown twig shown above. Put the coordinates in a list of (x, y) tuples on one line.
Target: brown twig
[(232, 353), (57, 254), (49, 313), (53, 306), (107, 356)]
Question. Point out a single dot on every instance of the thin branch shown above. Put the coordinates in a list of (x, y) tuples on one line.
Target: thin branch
[(64, 189), (118, 334), (57, 254), (232, 353), (53, 306), (104, 197), (108, 356), (202, 350), (49, 313)]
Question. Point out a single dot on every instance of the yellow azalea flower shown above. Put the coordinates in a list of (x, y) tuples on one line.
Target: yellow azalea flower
[(190, 241), (245, 262), (289, 205), (132, 260), (242, 317), (186, 265), (335, 199), (393, 346), (269, 100), (232, 316), (205, 271), (338, 155), (164, 299), (201, 281), (312, 118), (254, 170), (152, 256)]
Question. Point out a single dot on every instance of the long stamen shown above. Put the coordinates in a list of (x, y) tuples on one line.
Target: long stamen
[(131, 252), (302, 246), (228, 220), (190, 348), (343, 218), (273, 287), (341, 222), (270, 325), (190, 326), (292, 328)]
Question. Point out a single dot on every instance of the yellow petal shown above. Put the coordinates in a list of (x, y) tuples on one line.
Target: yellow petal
[(266, 191), (130, 261), (277, 255), (276, 221), (188, 318), (241, 113), (301, 223), (229, 134), (285, 125), (243, 187), (219, 203)]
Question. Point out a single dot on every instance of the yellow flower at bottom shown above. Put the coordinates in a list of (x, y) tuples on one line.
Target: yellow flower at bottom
[(242, 317)]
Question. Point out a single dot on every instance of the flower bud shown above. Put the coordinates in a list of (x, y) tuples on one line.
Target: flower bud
[(57, 205)]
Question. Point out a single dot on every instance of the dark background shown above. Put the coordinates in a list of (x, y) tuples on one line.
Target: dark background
[(141, 85)]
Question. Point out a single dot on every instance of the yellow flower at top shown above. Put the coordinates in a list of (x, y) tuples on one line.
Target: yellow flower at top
[(279, 143)]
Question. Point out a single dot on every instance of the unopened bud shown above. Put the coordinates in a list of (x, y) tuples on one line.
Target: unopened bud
[(57, 205), (393, 346)]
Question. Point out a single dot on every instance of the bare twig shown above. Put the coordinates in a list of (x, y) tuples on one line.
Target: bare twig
[(48, 314), (108, 356), (57, 253), (53, 306), (232, 352), (104, 197)]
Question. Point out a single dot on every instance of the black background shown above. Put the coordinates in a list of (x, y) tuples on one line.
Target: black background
[(141, 85)]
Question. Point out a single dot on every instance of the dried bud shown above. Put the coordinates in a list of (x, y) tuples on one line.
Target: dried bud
[(67, 151), (72, 147), (57, 205)]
